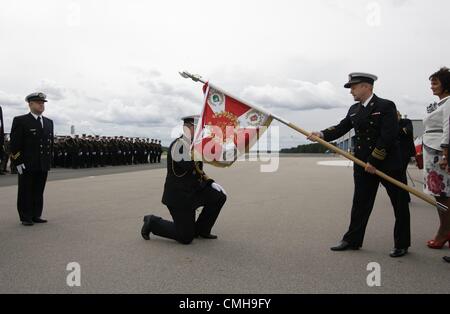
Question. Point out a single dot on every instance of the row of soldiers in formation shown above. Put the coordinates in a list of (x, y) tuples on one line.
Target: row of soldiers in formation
[(95, 151)]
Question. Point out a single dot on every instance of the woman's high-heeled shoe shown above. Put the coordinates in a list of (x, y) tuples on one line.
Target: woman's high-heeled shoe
[(435, 244)]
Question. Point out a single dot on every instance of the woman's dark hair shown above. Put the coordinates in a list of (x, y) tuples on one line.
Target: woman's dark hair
[(443, 75)]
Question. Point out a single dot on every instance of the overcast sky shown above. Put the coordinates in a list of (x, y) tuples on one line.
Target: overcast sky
[(110, 67)]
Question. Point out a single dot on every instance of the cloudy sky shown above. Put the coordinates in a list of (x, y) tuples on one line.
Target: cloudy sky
[(110, 67)]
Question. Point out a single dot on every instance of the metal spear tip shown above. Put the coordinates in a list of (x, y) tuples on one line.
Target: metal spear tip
[(194, 77), (185, 74), (441, 207)]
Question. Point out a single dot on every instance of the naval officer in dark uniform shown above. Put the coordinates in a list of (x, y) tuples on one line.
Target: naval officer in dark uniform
[(31, 151), (376, 143), (407, 148), (2, 142), (186, 188)]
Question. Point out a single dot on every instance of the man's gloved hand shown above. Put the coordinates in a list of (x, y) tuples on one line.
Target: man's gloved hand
[(20, 168), (218, 188)]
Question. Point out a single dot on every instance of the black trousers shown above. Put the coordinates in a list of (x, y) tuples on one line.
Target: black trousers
[(366, 187), (184, 227), (30, 196)]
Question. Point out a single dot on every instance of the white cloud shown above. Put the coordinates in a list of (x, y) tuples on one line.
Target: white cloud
[(118, 113), (11, 100), (296, 95), (52, 89)]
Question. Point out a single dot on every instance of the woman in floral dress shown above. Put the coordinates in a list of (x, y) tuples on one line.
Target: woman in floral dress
[(435, 152)]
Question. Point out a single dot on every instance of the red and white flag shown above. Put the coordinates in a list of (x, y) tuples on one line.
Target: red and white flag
[(227, 128)]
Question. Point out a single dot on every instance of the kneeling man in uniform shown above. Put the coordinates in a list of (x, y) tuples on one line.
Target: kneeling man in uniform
[(186, 188)]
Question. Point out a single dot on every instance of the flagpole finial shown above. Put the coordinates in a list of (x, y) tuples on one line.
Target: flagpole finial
[(194, 77)]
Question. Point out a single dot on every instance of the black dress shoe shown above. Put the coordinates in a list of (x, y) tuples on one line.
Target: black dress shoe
[(27, 223), (344, 245), (447, 259), (206, 236), (398, 252), (146, 229), (39, 220)]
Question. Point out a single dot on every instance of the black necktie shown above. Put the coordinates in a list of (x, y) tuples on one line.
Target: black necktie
[(39, 120)]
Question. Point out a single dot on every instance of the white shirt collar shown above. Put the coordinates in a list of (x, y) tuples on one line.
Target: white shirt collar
[(36, 116), (367, 101)]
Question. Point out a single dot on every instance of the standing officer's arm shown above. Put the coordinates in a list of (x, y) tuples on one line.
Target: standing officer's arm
[(339, 130), (16, 143), (51, 142), (388, 134), (2, 132)]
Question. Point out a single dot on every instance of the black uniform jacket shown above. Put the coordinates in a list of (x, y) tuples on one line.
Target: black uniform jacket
[(31, 144), (406, 137), (182, 180), (376, 133), (2, 133)]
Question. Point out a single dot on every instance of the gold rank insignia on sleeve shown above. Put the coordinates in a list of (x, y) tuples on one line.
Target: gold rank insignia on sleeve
[(379, 154), (331, 128), (15, 156)]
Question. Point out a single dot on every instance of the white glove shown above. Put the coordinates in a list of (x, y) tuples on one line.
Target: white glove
[(218, 188), (20, 168)]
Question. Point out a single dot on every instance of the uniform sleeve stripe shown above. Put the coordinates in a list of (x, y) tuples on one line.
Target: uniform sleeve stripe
[(381, 152), (378, 157)]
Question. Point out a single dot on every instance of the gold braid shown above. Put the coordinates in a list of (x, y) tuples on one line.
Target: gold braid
[(201, 173), (173, 169)]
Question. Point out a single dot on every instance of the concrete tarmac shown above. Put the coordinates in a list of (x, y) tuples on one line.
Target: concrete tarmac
[(274, 237)]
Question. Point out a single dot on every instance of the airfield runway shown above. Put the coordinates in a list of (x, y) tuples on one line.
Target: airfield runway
[(274, 236)]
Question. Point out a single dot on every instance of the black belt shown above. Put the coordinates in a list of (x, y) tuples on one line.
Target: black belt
[(434, 131)]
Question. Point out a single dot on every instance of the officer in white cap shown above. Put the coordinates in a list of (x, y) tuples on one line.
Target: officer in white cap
[(187, 188), (376, 143), (31, 152)]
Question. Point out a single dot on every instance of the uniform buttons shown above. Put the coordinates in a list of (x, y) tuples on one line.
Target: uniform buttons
[(368, 138), (359, 147), (370, 147)]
